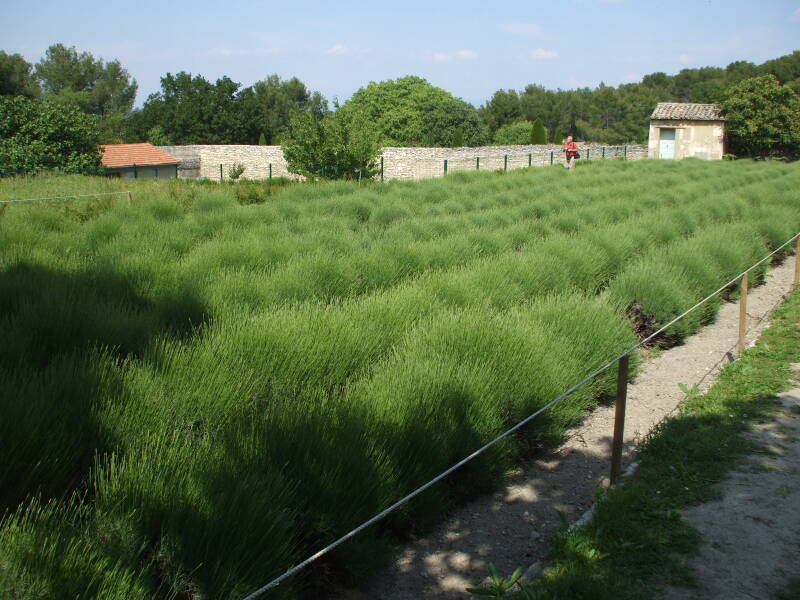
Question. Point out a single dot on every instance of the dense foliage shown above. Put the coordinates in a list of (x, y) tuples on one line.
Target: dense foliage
[(16, 78), (208, 392), (618, 115), (516, 133), (762, 118), (46, 135), (331, 148), (105, 90), (189, 109), (409, 111)]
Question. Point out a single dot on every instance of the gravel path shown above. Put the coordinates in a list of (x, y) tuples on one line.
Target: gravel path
[(751, 537), (512, 527)]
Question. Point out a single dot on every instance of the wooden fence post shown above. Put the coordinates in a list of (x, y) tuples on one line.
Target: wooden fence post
[(796, 263), (743, 310), (619, 418), (130, 199)]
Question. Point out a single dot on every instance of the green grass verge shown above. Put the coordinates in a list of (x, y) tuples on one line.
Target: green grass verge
[(636, 539)]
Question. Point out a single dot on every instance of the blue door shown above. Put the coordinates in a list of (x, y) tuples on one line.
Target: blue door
[(666, 143)]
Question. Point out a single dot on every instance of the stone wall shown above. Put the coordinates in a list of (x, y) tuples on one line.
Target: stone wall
[(398, 163)]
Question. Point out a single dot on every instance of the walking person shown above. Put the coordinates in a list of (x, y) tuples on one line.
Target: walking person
[(571, 151)]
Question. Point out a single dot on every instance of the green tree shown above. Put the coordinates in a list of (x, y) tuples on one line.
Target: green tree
[(762, 118), (16, 78), (192, 110), (262, 139), (158, 137), (97, 88), (458, 138), (267, 106), (503, 108), (538, 132), (46, 135), (513, 134), (334, 147), (409, 111), (558, 136)]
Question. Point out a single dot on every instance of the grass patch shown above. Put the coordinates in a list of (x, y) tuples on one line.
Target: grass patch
[(636, 539)]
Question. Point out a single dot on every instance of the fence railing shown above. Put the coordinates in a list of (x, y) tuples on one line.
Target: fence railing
[(622, 362)]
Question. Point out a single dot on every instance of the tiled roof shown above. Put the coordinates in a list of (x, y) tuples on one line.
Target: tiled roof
[(126, 155), (687, 111)]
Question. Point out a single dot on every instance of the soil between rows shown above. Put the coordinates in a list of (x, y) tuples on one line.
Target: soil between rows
[(513, 526)]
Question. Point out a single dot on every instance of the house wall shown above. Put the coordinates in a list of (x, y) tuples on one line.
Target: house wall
[(700, 139), (398, 163), (145, 172)]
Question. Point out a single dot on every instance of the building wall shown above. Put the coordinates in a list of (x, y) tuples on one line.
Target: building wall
[(398, 163), (700, 139), (145, 172)]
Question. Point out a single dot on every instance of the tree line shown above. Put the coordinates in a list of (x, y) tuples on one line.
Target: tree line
[(93, 102)]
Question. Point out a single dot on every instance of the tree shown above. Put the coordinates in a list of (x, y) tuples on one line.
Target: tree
[(762, 118), (46, 135), (16, 78), (558, 136), (514, 134), (409, 111), (503, 108), (458, 138), (262, 139), (331, 148), (97, 88), (158, 137), (538, 133), (267, 106), (192, 110)]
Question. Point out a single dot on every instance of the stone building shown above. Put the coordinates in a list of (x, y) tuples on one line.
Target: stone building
[(138, 160), (681, 129)]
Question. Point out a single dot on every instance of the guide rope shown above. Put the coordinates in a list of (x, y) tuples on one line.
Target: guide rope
[(61, 197)]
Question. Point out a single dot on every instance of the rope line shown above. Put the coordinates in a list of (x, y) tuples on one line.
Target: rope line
[(503, 435), (61, 197)]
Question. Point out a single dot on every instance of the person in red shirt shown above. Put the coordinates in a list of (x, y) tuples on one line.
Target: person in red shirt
[(571, 151)]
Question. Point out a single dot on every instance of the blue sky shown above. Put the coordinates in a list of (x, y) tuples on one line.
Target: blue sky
[(469, 48)]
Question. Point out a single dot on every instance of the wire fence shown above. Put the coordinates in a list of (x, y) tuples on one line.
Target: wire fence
[(619, 419), (56, 198)]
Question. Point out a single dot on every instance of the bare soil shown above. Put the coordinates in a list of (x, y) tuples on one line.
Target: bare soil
[(751, 536), (513, 527)]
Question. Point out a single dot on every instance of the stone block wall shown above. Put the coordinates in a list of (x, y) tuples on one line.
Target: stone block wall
[(398, 163)]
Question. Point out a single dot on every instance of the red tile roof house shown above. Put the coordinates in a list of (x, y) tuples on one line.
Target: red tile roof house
[(138, 160)]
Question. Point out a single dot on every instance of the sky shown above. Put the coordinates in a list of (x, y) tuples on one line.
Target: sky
[(469, 48)]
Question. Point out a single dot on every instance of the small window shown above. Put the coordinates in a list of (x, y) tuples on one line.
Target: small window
[(129, 175)]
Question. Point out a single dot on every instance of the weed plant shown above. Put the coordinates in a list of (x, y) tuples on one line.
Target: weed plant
[(202, 391)]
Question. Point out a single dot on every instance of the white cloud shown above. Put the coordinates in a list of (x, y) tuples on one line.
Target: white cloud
[(342, 50), (684, 58), (459, 55), (795, 16), (542, 54), (467, 54), (521, 28)]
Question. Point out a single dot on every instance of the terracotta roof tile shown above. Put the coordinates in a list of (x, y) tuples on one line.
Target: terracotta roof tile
[(687, 111), (126, 155)]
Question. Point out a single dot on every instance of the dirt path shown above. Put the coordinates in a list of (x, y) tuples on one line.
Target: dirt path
[(512, 527), (751, 537)]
